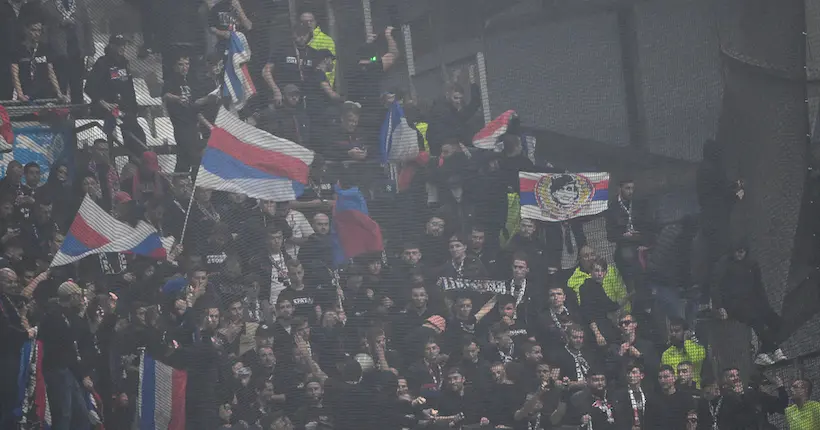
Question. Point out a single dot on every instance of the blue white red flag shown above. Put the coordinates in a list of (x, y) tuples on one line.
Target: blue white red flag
[(238, 84), (94, 231), (161, 396), (241, 158), (563, 196), (398, 141), (353, 232), (32, 409)]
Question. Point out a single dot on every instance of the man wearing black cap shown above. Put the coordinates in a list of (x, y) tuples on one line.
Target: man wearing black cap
[(111, 89)]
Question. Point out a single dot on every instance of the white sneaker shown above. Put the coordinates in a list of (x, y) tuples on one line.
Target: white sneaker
[(763, 360), (778, 355)]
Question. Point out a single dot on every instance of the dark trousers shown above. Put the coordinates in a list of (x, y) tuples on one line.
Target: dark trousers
[(628, 263), (189, 147), (9, 366), (70, 71), (66, 400), (764, 321), (132, 134)]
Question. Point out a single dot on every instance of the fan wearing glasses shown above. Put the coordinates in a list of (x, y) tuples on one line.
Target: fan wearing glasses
[(631, 349)]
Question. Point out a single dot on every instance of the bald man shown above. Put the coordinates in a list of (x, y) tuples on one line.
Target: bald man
[(317, 253), (321, 224)]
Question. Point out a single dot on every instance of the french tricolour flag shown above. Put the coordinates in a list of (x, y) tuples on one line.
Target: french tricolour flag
[(161, 396), (94, 231), (238, 84), (241, 158), (563, 196)]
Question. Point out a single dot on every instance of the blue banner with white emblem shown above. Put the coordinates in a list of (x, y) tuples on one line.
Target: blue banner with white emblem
[(40, 143)]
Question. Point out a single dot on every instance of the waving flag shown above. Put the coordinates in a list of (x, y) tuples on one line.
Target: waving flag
[(161, 396), (94, 231), (32, 409), (353, 231), (241, 158), (238, 84), (487, 137), (562, 196), (398, 141)]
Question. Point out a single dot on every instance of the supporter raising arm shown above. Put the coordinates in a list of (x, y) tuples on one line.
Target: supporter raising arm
[(227, 16)]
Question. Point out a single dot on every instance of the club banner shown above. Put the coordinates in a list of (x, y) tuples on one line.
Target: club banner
[(480, 286), (36, 142), (563, 196)]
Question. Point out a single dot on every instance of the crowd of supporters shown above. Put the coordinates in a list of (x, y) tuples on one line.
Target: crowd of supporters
[(272, 333)]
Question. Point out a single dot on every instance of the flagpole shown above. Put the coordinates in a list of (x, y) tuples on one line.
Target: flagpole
[(188, 212), (191, 201)]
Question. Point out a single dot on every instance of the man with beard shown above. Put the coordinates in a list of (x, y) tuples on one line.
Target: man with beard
[(683, 350), (459, 404), (433, 244), (592, 408), (756, 405), (110, 86)]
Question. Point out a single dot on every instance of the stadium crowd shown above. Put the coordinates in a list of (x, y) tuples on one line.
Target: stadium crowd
[(272, 333)]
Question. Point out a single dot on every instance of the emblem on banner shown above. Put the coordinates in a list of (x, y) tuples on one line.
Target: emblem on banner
[(563, 196)]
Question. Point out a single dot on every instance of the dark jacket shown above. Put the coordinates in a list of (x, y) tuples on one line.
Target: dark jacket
[(59, 33), (554, 237), (110, 80), (617, 220), (291, 123), (446, 122), (738, 286), (67, 342)]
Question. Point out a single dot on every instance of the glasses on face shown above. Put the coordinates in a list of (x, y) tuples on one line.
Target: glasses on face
[(625, 323)]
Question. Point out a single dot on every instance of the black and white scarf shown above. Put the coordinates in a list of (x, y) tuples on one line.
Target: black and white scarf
[(581, 364), (67, 9)]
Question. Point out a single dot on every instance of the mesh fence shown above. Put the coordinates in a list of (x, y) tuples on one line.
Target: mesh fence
[(294, 200)]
